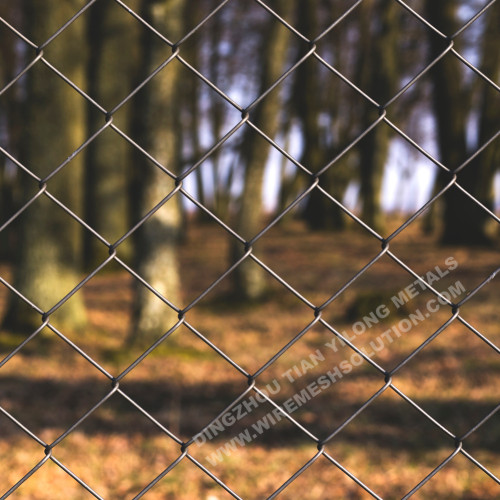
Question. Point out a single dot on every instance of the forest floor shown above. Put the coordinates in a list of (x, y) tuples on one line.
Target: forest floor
[(390, 446)]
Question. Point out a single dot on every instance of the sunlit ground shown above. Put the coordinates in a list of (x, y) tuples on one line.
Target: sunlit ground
[(390, 446)]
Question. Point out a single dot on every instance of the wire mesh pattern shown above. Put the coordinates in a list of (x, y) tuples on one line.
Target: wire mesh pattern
[(316, 310)]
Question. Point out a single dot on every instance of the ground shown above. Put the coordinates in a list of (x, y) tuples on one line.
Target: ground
[(390, 446)]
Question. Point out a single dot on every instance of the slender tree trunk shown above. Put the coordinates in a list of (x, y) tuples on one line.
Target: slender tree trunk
[(309, 103), (49, 250), (221, 190), (10, 119), (6, 210), (488, 162), (461, 218), (378, 77), (191, 104), (249, 278), (109, 71), (290, 185), (156, 128), (317, 95), (373, 156)]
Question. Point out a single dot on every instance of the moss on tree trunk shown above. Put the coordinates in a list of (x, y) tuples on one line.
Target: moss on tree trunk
[(49, 249)]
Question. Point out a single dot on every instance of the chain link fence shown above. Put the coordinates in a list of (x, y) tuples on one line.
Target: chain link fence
[(49, 449)]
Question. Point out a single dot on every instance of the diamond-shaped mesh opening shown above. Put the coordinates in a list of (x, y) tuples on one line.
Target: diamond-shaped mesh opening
[(153, 452), (474, 90), (38, 290), (460, 477), (382, 426), (221, 262), (322, 384), (264, 427), (364, 25), (110, 41), (40, 397), (61, 126), (45, 476), (329, 480), (270, 322), (454, 374), (178, 397)]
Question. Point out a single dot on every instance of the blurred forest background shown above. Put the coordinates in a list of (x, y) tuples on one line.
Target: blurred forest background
[(141, 155), (173, 122)]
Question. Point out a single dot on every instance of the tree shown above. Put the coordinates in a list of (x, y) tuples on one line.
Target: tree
[(248, 278), (10, 127), (487, 163), (331, 116), (156, 129), (217, 69), (463, 221), (377, 69), (49, 249), (109, 74), (315, 96)]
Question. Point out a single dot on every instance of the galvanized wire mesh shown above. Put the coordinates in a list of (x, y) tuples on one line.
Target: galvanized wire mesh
[(315, 183)]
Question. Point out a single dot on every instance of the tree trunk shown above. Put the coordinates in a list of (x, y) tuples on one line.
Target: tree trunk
[(109, 72), (221, 196), (318, 96), (191, 116), (10, 118), (49, 250), (6, 210), (462, 220), (378, 77), (248, 277), (487, 163), (156, 129)]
